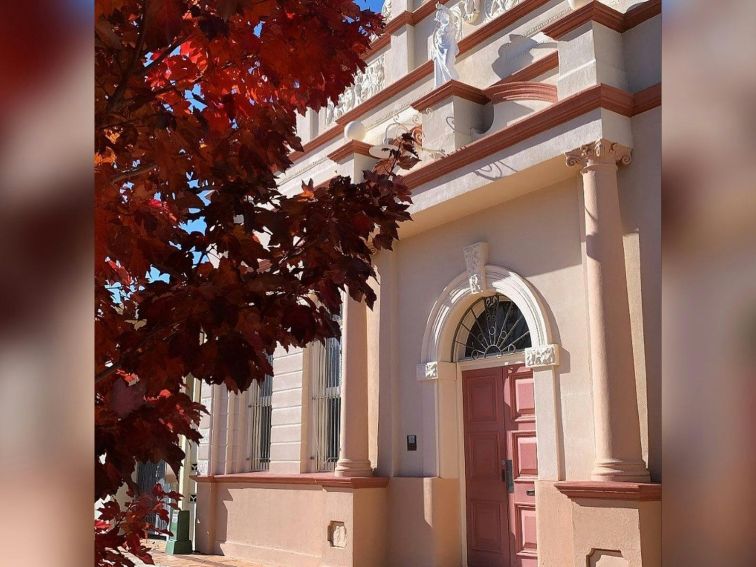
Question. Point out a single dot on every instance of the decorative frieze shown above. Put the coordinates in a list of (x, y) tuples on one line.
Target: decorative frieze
[(495, 8), (366, 84), (542, 355), (476, 257), (467, 11)]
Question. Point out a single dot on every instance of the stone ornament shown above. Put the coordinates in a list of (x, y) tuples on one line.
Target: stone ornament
[(433, 371), (476, 257), (599, 152), (386, 9), (429, 370), (495, 8), (467, 11), (337, 534), (444, 48), (367, 83), (543, 355)]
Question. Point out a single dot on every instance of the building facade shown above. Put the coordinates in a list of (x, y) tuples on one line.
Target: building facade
[(500, 405)]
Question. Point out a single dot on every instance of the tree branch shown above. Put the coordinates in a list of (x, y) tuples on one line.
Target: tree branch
[(136, 56)]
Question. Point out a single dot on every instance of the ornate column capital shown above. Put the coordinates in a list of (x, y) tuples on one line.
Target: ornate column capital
[(600, 152)]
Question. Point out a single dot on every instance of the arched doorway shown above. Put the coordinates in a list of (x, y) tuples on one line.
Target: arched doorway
[(499, 437), (520, 356)]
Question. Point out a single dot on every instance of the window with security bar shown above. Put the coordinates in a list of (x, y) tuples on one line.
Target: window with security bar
[(260, 412), (326, 399)]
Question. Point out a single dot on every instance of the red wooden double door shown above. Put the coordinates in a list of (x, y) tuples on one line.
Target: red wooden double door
[(500, 466)]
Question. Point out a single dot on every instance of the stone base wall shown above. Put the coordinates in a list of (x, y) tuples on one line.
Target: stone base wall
[(302, 526), (597, 532)]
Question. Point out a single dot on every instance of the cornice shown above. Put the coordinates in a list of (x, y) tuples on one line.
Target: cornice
[(392, 90), (394, 24), (640, 13), (376, 46), (426, 68), (631, 19), (494, 26), (409, 18), (312, 479), (647, 99), (316, 142), (349, 149), (602, 14), (521, 90), (595, 11), (611, 490), (426, 10), (600, 96), (448, 90)]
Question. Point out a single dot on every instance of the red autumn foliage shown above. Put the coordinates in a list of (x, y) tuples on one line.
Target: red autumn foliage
[(195, 119)]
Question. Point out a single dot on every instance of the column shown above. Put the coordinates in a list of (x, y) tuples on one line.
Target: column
[(615, 405), (353, 451)]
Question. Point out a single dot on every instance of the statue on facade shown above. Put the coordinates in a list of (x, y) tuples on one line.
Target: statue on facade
[(444, 47)]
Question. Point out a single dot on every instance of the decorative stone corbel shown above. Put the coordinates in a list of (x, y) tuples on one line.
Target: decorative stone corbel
[(432, 371), (476, 258), (540, 356)]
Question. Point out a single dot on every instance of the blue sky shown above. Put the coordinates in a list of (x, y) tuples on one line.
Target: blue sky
[(374, 5)]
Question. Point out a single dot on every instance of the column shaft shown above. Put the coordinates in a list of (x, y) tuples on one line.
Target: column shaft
[(615, 404), (354, 452)]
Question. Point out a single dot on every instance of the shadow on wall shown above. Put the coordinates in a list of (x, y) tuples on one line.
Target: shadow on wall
[(520, 51)]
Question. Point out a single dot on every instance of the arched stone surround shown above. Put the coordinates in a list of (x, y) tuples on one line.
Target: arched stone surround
[(439, 370)]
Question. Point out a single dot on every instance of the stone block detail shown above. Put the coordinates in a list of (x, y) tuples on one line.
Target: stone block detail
[(544, 355)]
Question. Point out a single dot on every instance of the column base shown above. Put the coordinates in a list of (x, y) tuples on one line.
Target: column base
[(620, 471), (350, 468)]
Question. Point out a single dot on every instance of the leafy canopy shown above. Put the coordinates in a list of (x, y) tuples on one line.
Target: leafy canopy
[(202, 265)]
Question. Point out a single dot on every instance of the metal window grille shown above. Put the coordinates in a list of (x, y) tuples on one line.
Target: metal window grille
[(260, 408), (327, 405), (492, 326), (148, 475)]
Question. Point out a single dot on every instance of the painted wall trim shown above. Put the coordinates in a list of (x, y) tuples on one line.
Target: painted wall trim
[(599, 96), (600, 13), (448, 90), (610, 490), (308, 479), (522, 90)]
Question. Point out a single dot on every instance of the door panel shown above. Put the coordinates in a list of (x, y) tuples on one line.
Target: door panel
[(499, 421), (521, 445)]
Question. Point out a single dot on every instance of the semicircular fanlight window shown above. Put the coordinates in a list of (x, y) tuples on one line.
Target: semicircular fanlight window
[(492, 326)]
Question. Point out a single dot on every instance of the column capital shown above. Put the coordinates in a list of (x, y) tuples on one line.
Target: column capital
[(600, 152)]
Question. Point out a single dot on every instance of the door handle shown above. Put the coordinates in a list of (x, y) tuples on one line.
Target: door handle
[(506, 474)]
